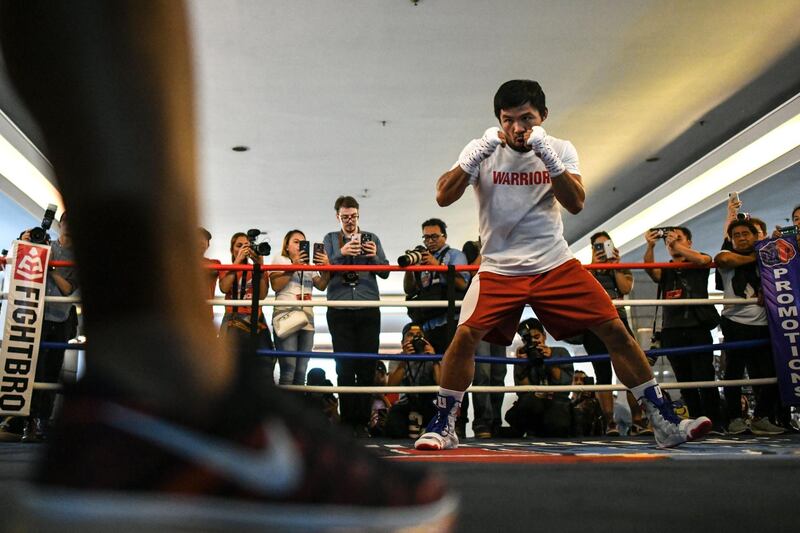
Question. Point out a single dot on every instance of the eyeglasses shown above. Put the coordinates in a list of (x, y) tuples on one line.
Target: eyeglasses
[(432, 236), (348, 218)]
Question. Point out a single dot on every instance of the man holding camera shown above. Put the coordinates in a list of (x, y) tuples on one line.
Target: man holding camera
[(543, 414), (433, 285), (60, 325), (521, 178), (354, 329), (740, 279), (409, 415), (686, 325)]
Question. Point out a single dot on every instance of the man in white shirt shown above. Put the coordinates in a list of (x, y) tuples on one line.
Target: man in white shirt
[(521, 178)]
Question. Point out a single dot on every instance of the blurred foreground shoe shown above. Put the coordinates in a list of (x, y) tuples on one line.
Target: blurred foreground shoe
[(763, 427), (262, 464)]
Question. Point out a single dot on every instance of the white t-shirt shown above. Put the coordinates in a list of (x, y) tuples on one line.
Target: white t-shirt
[(750, 314), (292, 291), (519, 217)]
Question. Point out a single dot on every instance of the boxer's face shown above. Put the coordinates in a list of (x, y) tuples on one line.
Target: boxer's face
[(516, 122)]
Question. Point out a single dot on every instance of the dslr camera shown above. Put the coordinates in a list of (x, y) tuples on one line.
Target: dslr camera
[(418, 342), (259, 248), (412, 257), (39, 234), (532, 347)]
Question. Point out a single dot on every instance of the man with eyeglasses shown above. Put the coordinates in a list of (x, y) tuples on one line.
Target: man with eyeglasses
[(354, 329), (433, 285)]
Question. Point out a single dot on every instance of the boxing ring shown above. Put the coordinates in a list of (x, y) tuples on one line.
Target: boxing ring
[(564, 484)]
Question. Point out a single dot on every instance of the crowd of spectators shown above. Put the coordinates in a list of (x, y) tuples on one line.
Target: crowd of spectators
[(357, 330), (429, 332)]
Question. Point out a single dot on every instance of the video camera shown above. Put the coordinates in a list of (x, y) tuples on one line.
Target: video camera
[(412, 257), (39, 234), (789, 230), (259, 248), (531, 346)]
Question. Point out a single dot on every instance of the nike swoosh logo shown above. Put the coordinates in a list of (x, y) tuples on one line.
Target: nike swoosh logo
[(276, 470)]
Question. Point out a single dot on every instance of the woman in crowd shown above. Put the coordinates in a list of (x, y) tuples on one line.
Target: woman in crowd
[(296, 285), (238, 285)]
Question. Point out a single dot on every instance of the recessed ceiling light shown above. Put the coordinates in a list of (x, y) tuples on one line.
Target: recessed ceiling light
[(240, 148)]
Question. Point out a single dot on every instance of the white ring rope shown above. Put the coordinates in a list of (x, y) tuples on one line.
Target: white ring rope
[(483, 388), (398, 302), (528, 388)]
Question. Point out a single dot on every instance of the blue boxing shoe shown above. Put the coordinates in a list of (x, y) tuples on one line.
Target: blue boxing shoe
[(440, 433), (669, 429)]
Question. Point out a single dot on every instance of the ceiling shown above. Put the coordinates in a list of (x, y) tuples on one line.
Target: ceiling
[(375, 99)]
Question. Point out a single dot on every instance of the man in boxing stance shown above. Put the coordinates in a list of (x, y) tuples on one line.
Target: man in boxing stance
[(521, 177)]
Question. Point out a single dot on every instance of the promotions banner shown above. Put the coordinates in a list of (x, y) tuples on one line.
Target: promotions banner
[(23, 327), (779, 263)]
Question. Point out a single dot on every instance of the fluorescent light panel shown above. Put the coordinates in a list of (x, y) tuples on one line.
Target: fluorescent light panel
[(24, 176), (770, 146)]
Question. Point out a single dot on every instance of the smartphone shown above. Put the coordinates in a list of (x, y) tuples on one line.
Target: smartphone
[(733, 197), (319, 248), (304, 247), (365, 237), (608, 249)]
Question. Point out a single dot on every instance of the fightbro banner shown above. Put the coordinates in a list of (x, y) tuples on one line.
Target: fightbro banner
[(779, 263), (23, 327)]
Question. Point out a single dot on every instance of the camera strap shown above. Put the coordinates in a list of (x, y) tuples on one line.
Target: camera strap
[(239, 292), (655, 313)]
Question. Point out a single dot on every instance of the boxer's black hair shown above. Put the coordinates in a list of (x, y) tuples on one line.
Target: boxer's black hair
[(515, 93)]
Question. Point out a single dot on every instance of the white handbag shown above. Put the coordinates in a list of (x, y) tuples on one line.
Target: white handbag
[(291, 321)]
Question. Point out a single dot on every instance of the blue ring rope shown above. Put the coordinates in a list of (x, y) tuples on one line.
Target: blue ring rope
[(492, 360)]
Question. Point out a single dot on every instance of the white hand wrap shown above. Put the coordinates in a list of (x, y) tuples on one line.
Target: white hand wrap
[(477, 150), (538, 141)]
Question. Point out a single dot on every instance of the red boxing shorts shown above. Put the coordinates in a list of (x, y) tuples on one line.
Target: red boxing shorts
[(567, 300)]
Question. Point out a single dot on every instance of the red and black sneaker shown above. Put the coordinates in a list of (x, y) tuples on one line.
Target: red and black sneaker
[(264, 462)]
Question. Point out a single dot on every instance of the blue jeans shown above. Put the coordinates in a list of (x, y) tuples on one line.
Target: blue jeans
[(293, 369)]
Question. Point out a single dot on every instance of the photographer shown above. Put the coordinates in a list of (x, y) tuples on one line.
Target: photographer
[(354, 329), (409, 415), (740, 279), (323, 402), (543, 414), (587, 416), (433, 285), (295, 285), (617, 284), (795, 221), (60, 325), (238, 285), (687, 325)]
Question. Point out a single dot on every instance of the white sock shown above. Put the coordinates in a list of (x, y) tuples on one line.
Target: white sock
[(638, 390), (457, 394)]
